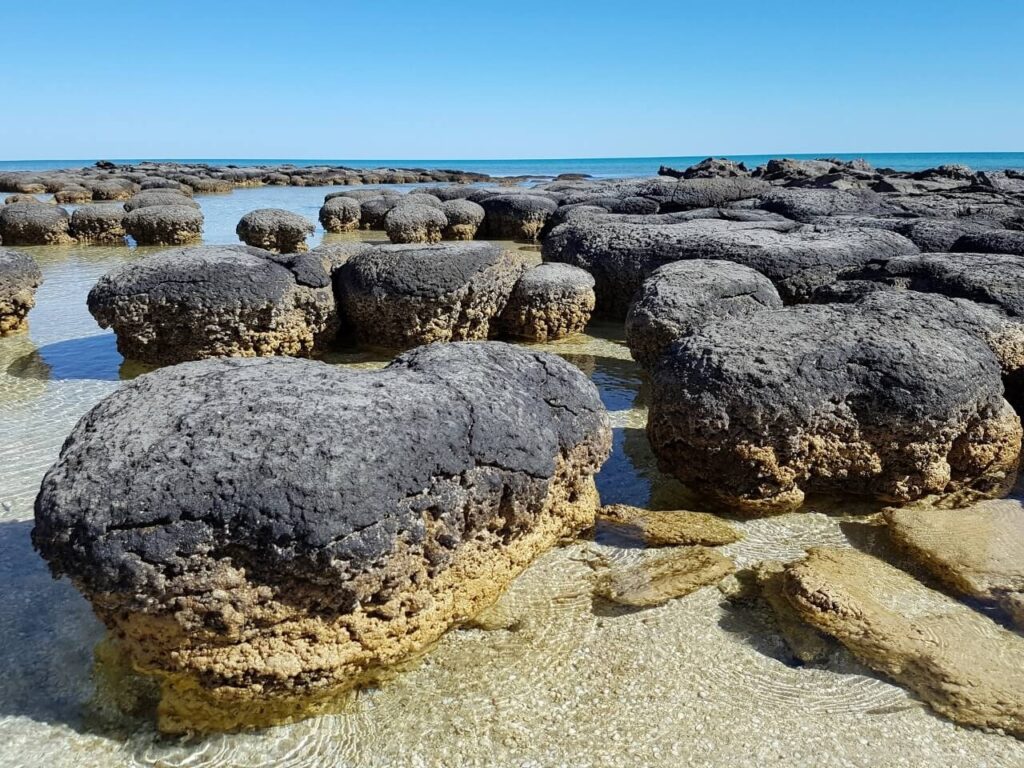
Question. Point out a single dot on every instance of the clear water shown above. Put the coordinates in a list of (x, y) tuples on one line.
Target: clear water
[(600, 167), (557, 679)]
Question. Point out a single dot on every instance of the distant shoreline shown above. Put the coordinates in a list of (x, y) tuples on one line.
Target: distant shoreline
[(610, 167)]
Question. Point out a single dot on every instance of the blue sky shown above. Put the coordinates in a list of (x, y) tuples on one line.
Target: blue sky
[(516, 79)]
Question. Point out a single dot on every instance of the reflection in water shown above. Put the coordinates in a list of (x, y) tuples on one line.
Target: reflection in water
[(540, 679)]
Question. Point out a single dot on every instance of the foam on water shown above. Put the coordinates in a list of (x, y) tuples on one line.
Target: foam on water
[(546, 676)]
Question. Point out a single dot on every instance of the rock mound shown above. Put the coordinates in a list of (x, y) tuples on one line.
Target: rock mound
[(193, 303), (260, 560)]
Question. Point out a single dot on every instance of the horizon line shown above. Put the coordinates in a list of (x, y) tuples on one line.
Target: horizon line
[(822, 154)]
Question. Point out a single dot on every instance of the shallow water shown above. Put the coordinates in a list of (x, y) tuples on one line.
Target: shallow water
[(557, 678)]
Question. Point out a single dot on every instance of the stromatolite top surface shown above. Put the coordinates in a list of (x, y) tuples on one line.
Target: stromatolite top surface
[(793, 363), (427, 271), (202, 275)]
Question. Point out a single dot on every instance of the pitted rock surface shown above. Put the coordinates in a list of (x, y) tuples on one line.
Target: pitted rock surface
[(19, 278), (274, 229), (621, 253), (680, 297), (164, 225), (208, 301), (550, 301), (836, 399), (34, 224), (404, 295)]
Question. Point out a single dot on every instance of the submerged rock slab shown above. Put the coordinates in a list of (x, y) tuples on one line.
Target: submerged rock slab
[(836, 399), (668, 528), (19, 278), (662, 576), (264, 534), (404, 295), (211, 301), (977, 550), (807, 644), (961, 663)]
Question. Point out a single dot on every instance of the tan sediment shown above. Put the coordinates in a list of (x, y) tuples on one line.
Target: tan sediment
[(668, 528), (238, 654), (965, 666), (663, 576)]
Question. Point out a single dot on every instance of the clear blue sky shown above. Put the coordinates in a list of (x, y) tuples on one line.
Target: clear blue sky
[(501, 79)]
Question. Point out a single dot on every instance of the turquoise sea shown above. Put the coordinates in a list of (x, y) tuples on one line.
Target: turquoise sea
[(601, 167)]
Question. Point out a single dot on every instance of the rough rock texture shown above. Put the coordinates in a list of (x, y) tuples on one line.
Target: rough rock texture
[(809, 204), (833, 399), (401, 296), (210, 301), (421, 198), (682, 296), (550, 301), (99, 223), (516, 217), (275, 230), (987, 278), (335, 255), (34, 224), (19, 278), (621, 251), (73, 195), (961, 663), (700, 192), (373, 210), (464, 219), (662, 576), (978, 551), (1001, 332), (939, 235), (165, 225), (112, 189), (993, 241), (261, 560), (22, 198), (414, 223), (151, 197), (667, 529), (340, 214)]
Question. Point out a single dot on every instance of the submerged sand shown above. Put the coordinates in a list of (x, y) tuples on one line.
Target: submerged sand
[(548, 676)]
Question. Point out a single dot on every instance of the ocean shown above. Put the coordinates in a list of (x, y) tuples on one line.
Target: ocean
[(600, 167)]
